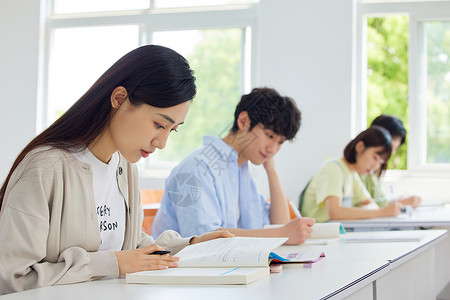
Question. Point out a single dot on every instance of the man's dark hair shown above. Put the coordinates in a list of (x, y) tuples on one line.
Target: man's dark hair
[(267, 107), (393, 125)]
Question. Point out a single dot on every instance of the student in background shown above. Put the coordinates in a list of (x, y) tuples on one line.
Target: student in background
[(336, 191), (212, 187), (372, 181), (70, 205)]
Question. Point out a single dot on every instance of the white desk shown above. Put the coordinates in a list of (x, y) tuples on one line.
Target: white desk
[(351, 270), (424, 217)]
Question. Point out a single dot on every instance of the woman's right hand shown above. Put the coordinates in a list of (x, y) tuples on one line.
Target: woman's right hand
[(131, 261), (393, 209)]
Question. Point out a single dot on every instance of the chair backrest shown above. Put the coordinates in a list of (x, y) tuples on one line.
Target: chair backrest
[(150, 197), (300, 199), (292, 214)]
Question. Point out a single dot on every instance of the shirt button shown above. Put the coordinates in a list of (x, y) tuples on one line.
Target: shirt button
[(120, 170)]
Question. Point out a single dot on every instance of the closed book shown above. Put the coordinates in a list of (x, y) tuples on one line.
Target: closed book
[(305, 265), (199, 276), (297, 257)]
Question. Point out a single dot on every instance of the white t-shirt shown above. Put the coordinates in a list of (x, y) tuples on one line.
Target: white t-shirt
[(109, 201)]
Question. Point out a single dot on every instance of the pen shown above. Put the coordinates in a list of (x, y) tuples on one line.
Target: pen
[(297, 213), (159, 252), (407, 210)]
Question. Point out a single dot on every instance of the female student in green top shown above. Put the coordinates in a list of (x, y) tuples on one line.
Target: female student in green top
[(336, 191), (372, 181), (70, 205)]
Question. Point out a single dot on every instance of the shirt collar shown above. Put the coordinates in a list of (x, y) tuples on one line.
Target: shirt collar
[(225, 151)]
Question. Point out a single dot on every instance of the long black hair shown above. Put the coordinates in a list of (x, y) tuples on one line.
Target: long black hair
[(153, 75)]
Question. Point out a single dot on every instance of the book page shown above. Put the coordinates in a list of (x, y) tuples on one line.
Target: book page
[(229, 252)]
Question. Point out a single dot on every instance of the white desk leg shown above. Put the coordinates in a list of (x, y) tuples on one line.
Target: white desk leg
[(412, 279)]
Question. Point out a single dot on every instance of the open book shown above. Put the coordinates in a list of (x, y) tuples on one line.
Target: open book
[(325, 233), (237, 260)]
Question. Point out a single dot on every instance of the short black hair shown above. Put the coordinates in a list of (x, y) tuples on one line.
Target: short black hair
[(392, 124), (374, 136), (267, 107)]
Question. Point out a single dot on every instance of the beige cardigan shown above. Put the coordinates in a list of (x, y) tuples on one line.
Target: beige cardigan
[(49, 230)]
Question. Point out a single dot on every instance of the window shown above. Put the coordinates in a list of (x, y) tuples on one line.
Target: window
[(387, 74), (73, 67), (216, 57), (84, 38), (404, 70), (436, 73)]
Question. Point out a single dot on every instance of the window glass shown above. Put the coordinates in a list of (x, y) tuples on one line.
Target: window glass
[(437, 92), (191, 3), (79, 56), (215, 55), (84, 6), (387, 74)]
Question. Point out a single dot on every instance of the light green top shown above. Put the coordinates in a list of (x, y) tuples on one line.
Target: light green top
[(333, 179), (373, 186)]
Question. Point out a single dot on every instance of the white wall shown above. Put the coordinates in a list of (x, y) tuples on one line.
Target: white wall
[(19, 36), (305, 52)]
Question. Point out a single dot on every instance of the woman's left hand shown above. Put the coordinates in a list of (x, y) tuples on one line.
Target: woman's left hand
[(413, 201), (211, 236)]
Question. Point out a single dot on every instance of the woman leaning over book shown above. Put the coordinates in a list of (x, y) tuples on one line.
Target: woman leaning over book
[(70, 205), (336, 192)]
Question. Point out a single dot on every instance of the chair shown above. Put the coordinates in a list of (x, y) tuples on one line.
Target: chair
[(150, 202)]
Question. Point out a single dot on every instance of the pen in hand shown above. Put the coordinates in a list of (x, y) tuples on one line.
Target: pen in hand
[(159, 252)]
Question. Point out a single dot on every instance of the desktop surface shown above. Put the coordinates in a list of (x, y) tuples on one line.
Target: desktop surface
[(348, 268)]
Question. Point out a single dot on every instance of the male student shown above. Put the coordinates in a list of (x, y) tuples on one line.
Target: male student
[(212, 187)]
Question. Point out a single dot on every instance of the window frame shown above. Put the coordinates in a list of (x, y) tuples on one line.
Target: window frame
[(418, 12), (244, 16)]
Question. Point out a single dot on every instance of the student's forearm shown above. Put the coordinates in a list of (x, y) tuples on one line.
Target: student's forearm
[(267, 232), (296, 230), (279, 210), (353, 213)]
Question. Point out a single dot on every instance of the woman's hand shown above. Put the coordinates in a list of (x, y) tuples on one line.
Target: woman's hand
[(413, 201), (131, 261), (211, 236), (393, 209)]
